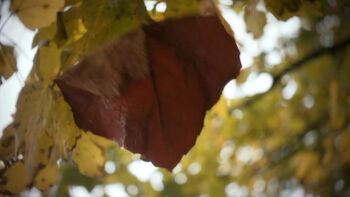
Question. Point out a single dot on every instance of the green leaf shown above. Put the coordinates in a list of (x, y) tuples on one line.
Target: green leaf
[(69, 176), (106, 20)]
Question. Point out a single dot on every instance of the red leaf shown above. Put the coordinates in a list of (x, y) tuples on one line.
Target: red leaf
[(150, 89)]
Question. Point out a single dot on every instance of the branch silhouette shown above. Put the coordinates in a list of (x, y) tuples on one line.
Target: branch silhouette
[(277, 78)]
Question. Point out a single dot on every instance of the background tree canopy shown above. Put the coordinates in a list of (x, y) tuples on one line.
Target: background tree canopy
[(284, 131)]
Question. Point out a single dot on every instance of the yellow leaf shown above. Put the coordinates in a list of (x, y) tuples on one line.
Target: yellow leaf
[(100, 141), (36, 13), (69, 27), (33, 105), (274, 142), (220, 108), (344, 146), (17, 178), (47, 62), (156, 16), (305, 162), (38, 149), (316, 174), (62, 126), (47, 176), (44, 35), (7, 62), (328, 157), (43, 130), (68, 59), (89, 156), (7, 144)]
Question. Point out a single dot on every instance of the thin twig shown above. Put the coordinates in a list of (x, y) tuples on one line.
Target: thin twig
[(277, 78), (5, 22)]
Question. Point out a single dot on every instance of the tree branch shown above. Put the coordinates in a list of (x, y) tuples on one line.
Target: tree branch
[(277, 78)]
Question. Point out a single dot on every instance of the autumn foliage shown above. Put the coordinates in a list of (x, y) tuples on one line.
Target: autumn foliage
[(147, 76), (150, 89)]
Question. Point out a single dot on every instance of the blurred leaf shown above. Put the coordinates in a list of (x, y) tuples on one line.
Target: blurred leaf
[(275, 144), (47, 62), (44, 35), (69, 27), (33, 107), (72, 2), (178, 8), (36, 13), (344, 146), (68, 59), (7, 62), (305, 162), (69, 175), (7, 143), (255, 19), (285, 9)]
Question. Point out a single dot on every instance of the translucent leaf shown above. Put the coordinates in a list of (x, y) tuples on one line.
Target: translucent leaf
[(29, 137), (68, 59), (89, 154), (43, 131), (36, 13), (33, 107), (61, 124), (106, 20), (7, 62)]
